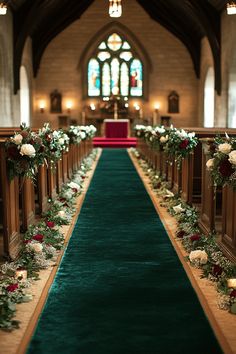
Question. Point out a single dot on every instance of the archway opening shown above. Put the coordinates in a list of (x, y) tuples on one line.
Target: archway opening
[(232, 100), (209, 99), (24, 97)]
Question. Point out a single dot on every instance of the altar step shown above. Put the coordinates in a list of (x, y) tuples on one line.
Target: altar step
[(114, 142)]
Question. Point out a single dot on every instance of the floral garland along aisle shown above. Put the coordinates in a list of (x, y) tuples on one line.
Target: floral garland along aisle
[(41, 242), (203, 251)]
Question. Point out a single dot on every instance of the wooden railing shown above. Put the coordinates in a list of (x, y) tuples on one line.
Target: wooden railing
[(217, 207), (22, 202)]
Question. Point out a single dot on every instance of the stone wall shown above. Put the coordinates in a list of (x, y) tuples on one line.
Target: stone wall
[(171, 66)]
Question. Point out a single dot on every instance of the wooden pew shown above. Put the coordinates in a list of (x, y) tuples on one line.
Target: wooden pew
[(9, 208)]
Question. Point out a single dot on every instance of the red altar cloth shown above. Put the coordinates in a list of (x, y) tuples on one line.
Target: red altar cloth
[(116, 128)]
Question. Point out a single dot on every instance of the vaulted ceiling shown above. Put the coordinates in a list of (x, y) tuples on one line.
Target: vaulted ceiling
[(188, 20)]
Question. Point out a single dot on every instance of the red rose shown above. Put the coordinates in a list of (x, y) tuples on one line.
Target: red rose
[(233, 293), (181, 234), (184, 143), (38, 237), (13, 153), (217, 270), (225, 168), (212, 148), (48, 137), (75, 190), (24, 133), (195, 237), (42, 148), (50, 224), (11, 288), (27, 241)]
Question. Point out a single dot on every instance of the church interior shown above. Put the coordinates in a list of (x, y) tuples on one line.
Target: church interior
[(117, 176)]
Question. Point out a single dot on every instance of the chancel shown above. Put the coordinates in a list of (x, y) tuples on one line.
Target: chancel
[(117, 176)]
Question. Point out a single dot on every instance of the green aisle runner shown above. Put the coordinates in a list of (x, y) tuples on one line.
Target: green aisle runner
[(120, 288)]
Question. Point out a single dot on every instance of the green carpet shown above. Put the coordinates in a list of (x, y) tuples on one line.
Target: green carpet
[(120, 288)]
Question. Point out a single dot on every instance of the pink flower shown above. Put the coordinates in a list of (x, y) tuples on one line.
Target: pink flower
[(50, 224), (12, 287)]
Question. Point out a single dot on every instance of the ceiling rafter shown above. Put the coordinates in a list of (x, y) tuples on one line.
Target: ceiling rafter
[(188, 20)]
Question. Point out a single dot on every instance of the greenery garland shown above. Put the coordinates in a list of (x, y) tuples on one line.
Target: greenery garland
[(40, 247), (203, 251)]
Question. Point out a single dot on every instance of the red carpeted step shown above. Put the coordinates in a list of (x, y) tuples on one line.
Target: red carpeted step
[(114, 142)]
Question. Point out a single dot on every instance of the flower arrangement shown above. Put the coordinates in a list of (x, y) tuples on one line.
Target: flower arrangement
[(203, 251), (79, 133), (179, 144), (55, 143), (222, 164), (40, 247), (25, 152)]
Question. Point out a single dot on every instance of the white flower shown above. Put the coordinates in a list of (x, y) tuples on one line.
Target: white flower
[(82, 135), (36, 247), (210, 164), (169, 194), (178, 209), (191, 135), (61, 141), (225, 148), (160, 130), (17, 139), (27, 149), (73, 185), (61, 213), (164, 139), (181, 133), (55, 134), (227, 137), (198, 256), (232, 157)]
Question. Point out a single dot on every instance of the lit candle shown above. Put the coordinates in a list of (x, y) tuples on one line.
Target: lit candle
[(21, 274), (231, 283)]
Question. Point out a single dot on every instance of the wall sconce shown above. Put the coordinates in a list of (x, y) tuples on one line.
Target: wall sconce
[(157, 106), (3, 8), (92, 106), (69, 106), (42, 106), (156, 112), (136, 106)]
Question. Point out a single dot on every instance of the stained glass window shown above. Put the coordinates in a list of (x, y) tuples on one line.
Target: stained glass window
[(124, 80), (114, 69), (93, 78), (136, 80), (106, 80)]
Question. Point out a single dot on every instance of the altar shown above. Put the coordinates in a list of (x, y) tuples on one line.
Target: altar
[(116, 128)]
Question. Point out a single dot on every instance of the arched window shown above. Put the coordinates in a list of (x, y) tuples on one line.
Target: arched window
[(209, 99), (114, 69), (24, 97)]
